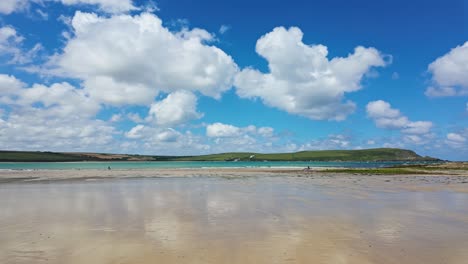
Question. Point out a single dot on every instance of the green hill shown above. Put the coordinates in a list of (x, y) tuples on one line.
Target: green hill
[(28, 156), (39, 156), (380, 154)]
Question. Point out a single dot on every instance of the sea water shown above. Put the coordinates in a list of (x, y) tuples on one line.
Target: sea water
[(190, 164)]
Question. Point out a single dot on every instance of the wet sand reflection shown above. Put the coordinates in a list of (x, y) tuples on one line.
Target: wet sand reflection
[(215, 220)]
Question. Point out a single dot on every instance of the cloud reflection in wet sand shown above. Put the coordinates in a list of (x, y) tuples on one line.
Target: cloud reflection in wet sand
[(209, 220)]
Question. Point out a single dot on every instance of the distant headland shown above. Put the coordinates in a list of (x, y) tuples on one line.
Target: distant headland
[(361, 155)]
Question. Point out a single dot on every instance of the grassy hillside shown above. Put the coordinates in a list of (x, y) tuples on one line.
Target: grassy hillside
[(39, 156), (381, 154), (19, 156)]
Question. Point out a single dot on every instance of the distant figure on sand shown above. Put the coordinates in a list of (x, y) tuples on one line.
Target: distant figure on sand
[(307, 169), (108, 168)]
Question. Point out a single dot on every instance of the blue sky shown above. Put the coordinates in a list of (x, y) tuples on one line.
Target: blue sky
[(193, 77)]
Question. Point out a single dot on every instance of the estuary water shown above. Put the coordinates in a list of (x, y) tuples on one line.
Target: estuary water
[(189, 164)]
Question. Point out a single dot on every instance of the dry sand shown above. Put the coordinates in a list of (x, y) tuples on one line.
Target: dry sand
[(231, 216)]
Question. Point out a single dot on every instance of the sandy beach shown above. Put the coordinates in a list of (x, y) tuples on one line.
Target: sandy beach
[(231, 216), (440, 180)]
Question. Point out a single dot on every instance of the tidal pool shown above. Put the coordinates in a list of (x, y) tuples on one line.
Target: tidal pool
[(229, 220)]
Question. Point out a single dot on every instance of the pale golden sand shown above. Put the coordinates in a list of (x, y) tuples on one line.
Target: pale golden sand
[(231, 216)]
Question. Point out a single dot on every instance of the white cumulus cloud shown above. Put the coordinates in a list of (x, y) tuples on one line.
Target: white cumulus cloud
[(387, 117), (222, 130), (108, 6), (163, 141), (135, 132), (10, 6), (152, 134), (109, 91), (330, 142), (455, 137), (55, 117), (450, 73), (219, 130), (127, 59), (226, 137), (11, 46), (115, 118), (60, 100), (9, 85), (302, 80), (266, 131), (457, 140), (178, 107)]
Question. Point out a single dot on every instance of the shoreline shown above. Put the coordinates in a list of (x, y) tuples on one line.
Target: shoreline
[(64, 174), (415, 182)]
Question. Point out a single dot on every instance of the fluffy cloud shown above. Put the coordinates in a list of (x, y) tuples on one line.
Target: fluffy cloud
[(109, 6), (222, 130), (37, 129), (8, 36), (418, 127), (111, 92), (331, 142), (115, 118), (55, 117), (449, 73), (226, 137), (60, 100), (302, 80), (457, 140), (266, 131), (163, 141), (11, 46), (9, 42), (169, 135), (129, 59), (135, 132), (153, 134), (414, 139), (134, 117), (387, 117), (9, 85), (144, 138), (10, 6), (455, 137), (178, 107)]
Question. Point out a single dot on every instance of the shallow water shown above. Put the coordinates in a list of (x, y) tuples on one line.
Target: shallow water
[(219, 220), (192, 164)]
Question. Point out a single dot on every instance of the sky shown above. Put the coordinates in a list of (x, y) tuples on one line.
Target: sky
[(195, 77)]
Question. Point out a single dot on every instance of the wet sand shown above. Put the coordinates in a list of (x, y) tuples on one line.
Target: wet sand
[(231, 216)]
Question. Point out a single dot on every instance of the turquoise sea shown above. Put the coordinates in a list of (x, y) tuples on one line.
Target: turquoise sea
[(189, 164)]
